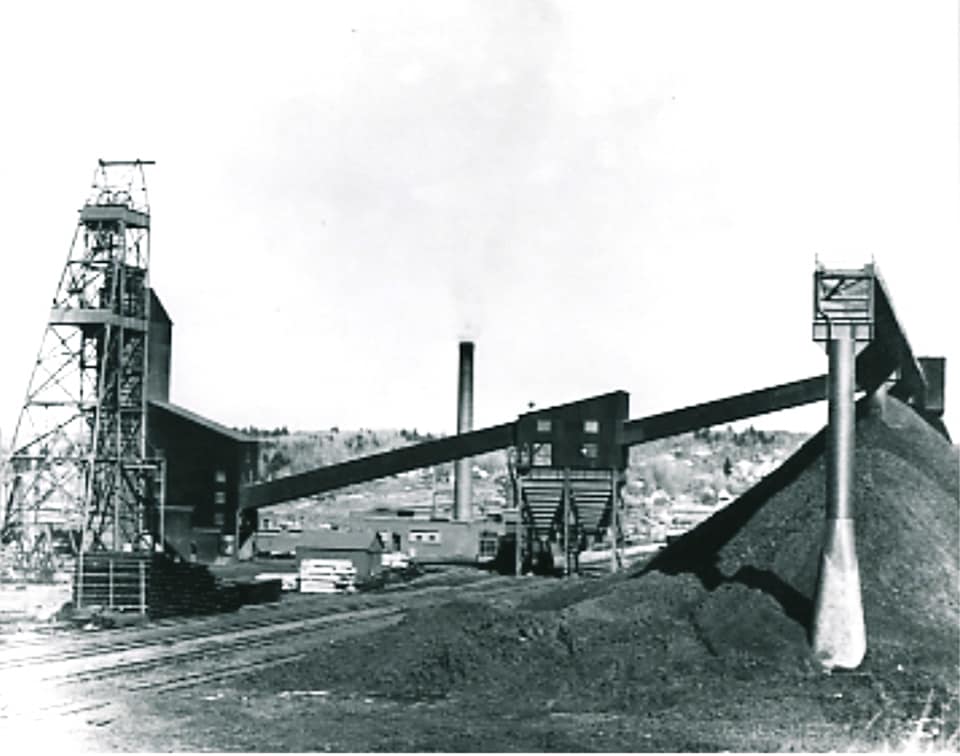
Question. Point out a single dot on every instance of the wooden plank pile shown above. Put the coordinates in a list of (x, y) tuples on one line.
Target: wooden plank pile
[(327, 576)]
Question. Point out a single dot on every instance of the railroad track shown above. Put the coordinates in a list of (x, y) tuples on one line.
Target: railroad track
[(168, 632), (217, 658), (212, 652), (152, 656)]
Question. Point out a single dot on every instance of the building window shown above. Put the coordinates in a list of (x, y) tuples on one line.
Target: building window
[(488, 544), (543, 455), (591, 426), (424, 536), (218, 519), (220, 476), (220, 498), (590, 451), (544, 426)]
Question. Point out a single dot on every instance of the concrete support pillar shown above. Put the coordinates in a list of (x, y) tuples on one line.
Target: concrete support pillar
[(142, 567), (462, 488), (237, 515), (518, 545), (614, 522), (566, 521), (839, 635), (518, 530)]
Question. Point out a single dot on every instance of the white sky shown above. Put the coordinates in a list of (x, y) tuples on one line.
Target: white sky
[(604, 195)]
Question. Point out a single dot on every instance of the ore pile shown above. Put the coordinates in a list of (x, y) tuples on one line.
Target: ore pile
[(436, 651), (731, 600), (758, 559)]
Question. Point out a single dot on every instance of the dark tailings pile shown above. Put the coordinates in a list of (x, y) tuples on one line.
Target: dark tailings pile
[(715, 627), (758, 559)]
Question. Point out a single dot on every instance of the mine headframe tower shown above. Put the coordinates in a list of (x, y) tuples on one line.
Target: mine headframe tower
[(79, 464)]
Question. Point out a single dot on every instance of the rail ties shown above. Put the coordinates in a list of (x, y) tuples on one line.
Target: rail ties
[(170, 631), (154, 665)]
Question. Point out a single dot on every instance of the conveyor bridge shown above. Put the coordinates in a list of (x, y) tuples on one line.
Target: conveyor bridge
[(592, 485)]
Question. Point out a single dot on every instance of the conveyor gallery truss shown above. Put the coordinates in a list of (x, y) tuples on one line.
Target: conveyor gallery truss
[(570, 458)]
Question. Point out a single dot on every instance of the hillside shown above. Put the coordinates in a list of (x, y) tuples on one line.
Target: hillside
[(284, 454), (704, 467)]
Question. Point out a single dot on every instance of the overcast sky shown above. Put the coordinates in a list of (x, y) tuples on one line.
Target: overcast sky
[(603, 195)]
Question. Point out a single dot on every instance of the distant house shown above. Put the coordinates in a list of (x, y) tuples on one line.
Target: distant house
[(362, 547)]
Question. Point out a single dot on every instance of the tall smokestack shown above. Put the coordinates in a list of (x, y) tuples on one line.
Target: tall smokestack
[(462, 494)]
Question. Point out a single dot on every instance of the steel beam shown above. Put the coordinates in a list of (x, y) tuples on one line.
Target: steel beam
[(874, 365), (891, 337), (95, 317), (377, 466), (725, 410), (136, 162), (131, 218)]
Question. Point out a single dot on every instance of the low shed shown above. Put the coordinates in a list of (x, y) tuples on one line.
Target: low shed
[(434, 540), (362, 548)]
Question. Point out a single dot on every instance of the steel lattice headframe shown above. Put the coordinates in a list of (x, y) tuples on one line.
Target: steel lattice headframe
[(79, 464)]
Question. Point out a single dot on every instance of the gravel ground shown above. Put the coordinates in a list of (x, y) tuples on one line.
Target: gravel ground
[(702, 649), (711, 636)]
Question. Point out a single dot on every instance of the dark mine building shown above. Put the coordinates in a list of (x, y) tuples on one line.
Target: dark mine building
[(205, 463)]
